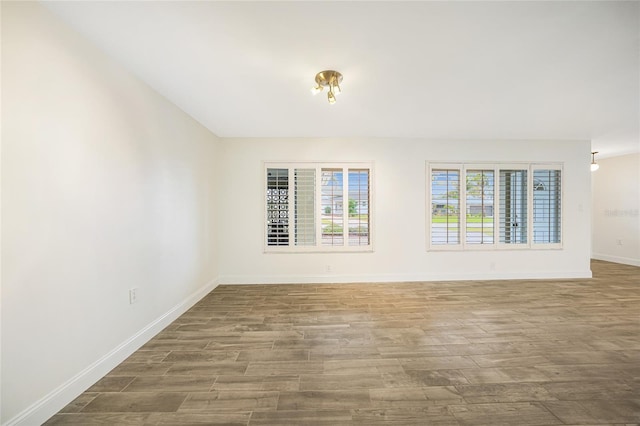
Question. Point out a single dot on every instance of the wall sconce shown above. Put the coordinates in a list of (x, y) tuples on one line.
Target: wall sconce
[(330, 79), (594, 166)]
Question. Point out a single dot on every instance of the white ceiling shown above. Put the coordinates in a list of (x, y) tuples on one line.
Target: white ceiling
[(454, 70)]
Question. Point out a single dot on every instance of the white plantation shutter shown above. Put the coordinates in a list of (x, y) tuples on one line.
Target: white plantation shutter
[(318, 207), (445, 206), (277, 207), (479, 206), (512, 227), (305, 207), (332, 207), (358, 207), (506, 206), (547, 206)]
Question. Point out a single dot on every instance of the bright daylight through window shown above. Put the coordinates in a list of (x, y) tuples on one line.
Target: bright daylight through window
[(485, 206), (318, 207)]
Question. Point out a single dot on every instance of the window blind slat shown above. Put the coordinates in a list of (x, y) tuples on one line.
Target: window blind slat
[(479, 200), (547, 206), (358, 207), (332, 207), (512, 226), (277, 207), (304, 207), (445, 206)]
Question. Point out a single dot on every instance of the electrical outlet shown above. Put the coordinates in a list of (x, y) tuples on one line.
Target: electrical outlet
[(133, 295), (327, 268), (619, 242)]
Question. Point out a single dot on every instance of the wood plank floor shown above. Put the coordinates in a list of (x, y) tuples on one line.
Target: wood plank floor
[(550, 352)]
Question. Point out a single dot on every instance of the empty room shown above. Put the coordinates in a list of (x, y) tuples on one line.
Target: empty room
[(314, 213)]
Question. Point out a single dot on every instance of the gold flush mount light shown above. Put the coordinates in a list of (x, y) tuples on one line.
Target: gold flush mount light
[(330, 79)]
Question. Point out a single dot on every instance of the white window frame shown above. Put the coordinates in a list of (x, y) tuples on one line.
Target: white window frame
[(462, 168), (318, 247)]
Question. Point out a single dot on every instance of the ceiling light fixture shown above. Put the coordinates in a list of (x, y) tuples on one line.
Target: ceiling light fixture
[(330, 79), (594, 166)]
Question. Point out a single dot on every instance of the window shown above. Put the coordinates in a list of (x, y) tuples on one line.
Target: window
[(501, 204), (512, 227), (278, 207), (445, 207), (330, 207), (479, 200), (546, 206), (305, 218), (358, 207), (332, 190)]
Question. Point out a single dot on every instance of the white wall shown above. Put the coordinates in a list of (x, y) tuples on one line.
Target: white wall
[(399, 186), (106, 186), (616, 206)]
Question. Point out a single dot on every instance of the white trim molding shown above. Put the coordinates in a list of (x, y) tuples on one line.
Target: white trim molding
[(54, 401), (616, 259), (394, 278)]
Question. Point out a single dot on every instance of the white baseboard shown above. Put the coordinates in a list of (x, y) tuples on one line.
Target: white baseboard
[(382, 278), (43, 409), (616, 259)]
